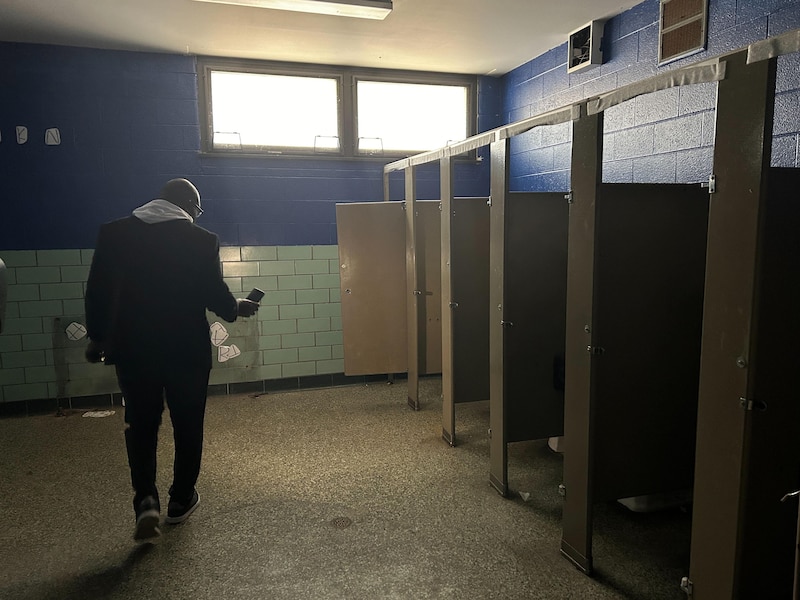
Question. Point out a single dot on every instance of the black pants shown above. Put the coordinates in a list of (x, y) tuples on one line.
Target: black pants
[(144, 390)]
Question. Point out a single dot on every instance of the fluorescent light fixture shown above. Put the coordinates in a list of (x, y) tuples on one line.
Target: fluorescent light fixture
[(361, 9)]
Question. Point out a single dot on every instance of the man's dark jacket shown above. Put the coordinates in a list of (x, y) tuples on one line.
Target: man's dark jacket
[(148, 290)]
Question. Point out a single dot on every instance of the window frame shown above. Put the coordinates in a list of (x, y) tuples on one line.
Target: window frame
[(347, 78)]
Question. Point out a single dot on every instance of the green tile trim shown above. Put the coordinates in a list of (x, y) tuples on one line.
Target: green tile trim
[(269, 342), (315, 353), (280, 356), (61, 291), (59, 258), (326, 281), (313, 325), (278, 327), (298, 340), (19, 258), (17, 360), (328, 310), (330, 366), (321, 296), (279, 297), (259, 253), (276, 267), (328, 338), (295, 282), (294, 252), (10, 343), (23, 292), (37, 341), (230, 254), (299, 369), (325, 252), (12, 376), (20, 326), (25, 391), (40, 374), (296, 311), (263, 283), (268, 313), (42, 308), (240, 269), (38, 275), (76, 274), (311, 267)]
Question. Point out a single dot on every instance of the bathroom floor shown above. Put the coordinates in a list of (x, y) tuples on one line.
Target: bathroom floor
[(330, 493)]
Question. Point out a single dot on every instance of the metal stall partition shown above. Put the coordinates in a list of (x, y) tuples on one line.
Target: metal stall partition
[(373, 274), (748, 433), (647, 267)]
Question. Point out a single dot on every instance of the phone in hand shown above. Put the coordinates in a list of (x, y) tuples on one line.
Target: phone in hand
[(255, 295)]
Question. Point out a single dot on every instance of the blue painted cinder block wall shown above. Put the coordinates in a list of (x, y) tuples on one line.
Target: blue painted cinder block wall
[(665, 137), (129, 122)]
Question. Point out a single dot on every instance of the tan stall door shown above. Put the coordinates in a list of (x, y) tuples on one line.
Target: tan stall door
[(372, 268)]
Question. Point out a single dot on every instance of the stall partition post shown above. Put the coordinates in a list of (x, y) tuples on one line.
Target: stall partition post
[(587, 160), (414, 295), (448, 302), (498, 449)]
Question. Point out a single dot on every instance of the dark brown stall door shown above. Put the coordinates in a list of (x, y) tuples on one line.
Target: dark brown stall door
[(372, 268), (470, 281), (757, 559), (535, 306), (649, 280), (630, 426)]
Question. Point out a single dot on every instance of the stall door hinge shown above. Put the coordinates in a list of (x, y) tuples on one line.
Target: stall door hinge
[(712, 184), (489, 201), (595, 350), (687, 586), (568, 198), (748, 404), (562, 490)]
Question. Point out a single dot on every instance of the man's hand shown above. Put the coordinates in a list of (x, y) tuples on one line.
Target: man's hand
[(245, 307), (95, 352)]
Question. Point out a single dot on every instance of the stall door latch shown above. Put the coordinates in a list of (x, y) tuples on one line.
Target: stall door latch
[(749, 405), (711, 185), (687, 586), (595, 350)]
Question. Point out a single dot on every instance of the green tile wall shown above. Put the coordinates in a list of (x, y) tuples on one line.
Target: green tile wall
[(297, 331)]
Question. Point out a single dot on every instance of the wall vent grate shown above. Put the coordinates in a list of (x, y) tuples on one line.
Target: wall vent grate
[(682, 29)]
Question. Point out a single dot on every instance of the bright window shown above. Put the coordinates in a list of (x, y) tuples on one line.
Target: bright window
[(396, 117), (261, 111), (254, 107)]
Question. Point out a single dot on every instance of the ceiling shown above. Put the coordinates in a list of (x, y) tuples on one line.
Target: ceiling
[(483, 37)]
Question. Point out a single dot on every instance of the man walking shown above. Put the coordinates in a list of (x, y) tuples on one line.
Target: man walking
[(153, 276)]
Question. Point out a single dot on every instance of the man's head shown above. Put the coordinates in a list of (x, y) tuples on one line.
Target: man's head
[(182, 193)]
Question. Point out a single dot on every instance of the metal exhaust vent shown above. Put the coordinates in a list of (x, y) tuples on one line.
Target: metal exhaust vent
[(682, 29)]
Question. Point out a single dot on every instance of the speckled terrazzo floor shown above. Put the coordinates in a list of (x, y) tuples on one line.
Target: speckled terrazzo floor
[(338, 493)]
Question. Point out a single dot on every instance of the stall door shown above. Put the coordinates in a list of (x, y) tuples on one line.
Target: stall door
[(372, 269), (649, 280), (535, 308), (470, 281)]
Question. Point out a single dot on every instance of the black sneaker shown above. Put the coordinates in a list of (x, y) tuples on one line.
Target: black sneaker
[(148, 516), (178, 512)]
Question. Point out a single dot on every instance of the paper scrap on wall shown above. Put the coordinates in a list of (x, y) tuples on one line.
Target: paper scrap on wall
[(75, 331), (225, 353), (218, 333)]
